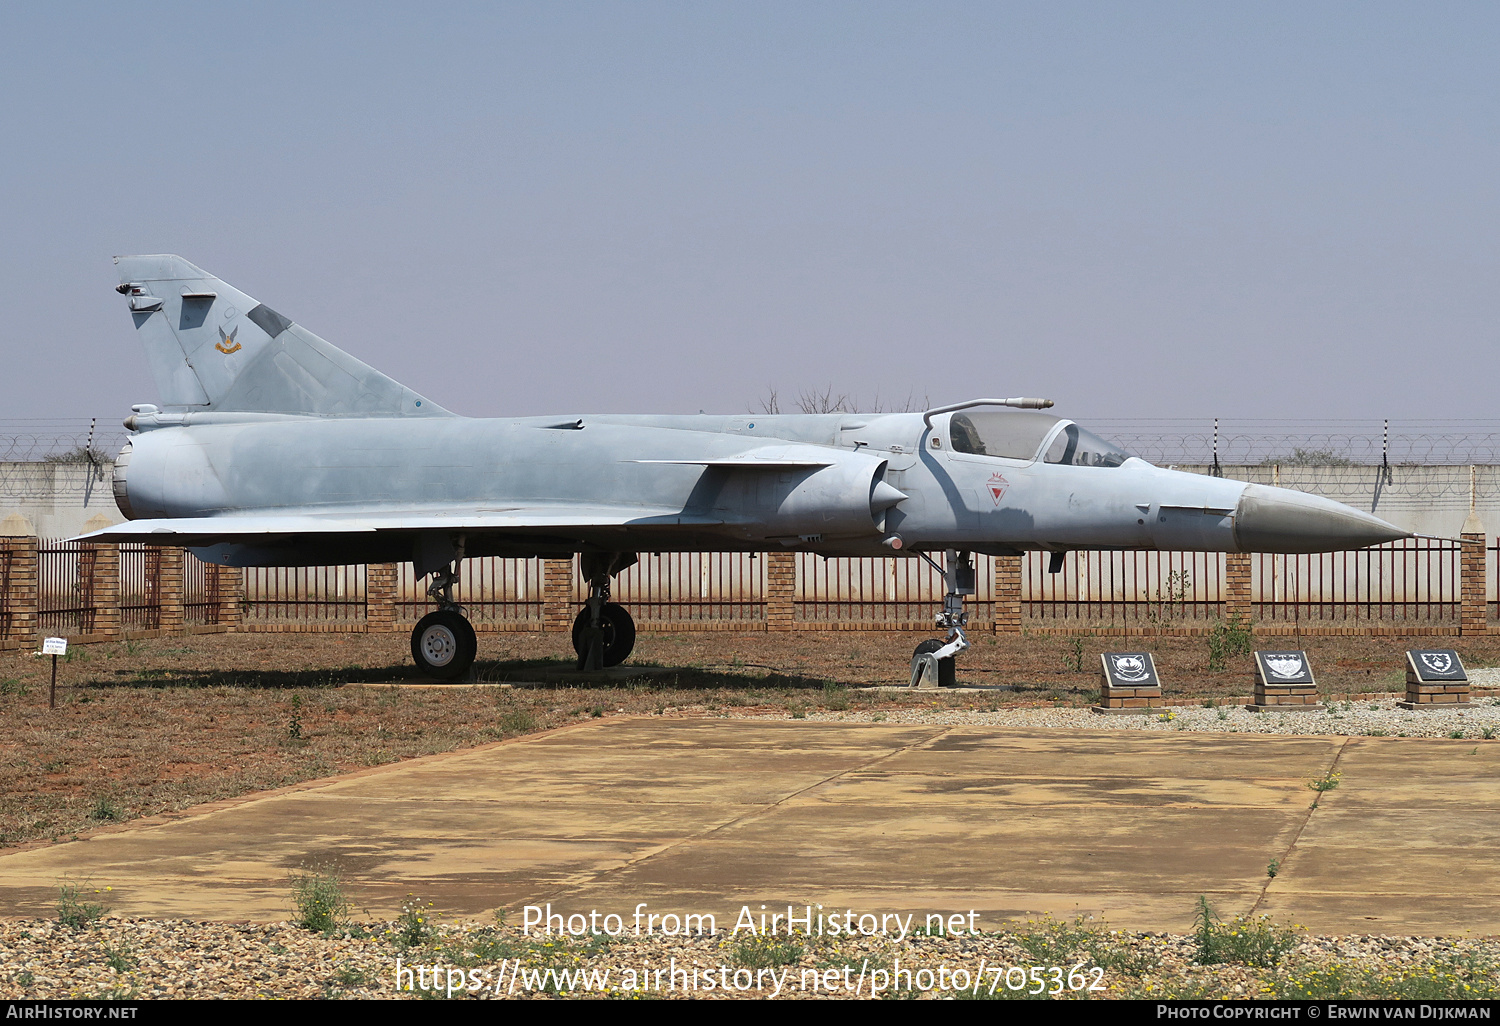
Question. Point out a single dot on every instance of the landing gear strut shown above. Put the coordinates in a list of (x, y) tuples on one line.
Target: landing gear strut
[(603, 633), (443, 644), (932, 664)]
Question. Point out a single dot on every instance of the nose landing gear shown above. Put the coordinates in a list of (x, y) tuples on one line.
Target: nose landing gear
[(933, 664)]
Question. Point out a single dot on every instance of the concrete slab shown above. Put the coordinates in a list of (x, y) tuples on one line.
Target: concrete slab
[(709, 816)]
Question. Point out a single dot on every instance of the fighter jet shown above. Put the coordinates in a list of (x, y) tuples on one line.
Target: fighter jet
[(271, 447)]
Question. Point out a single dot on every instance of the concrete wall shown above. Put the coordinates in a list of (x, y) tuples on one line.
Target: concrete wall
[(58, 500)]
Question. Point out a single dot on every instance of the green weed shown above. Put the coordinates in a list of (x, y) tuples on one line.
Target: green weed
[(1253, 942), (120, 959), (75, 912), (1328, 782), (1075, 662), (414, 924), (764, 952), (1231, 638), (1051, 942), (106, 808), (516, 721), (294, 725), (318, 901)]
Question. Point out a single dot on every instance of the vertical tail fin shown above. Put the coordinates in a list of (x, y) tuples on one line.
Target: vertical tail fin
[(211, 347)]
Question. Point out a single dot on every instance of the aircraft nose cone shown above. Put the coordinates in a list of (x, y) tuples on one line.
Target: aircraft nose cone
[(1282, 520)]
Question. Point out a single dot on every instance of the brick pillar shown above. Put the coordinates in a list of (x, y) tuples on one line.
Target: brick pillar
[(171, 588), (1473, 612), (104, 586), (1008, 594), (557, 595), (380, 598), (18, 589), (781, 590), (1237, 588), (227, 584)]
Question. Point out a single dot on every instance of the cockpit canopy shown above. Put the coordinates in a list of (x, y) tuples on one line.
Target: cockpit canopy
[(1026, 436)]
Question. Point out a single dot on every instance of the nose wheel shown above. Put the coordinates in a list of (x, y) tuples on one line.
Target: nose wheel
[(946, 675)]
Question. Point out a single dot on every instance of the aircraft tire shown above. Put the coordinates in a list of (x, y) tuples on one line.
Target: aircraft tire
[(947, 668), (443, 645), (619, 633)]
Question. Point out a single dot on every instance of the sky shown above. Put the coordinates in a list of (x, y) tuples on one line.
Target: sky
[(1140, 210)]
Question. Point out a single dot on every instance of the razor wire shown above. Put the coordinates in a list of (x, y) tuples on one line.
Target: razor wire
[(59, 441)]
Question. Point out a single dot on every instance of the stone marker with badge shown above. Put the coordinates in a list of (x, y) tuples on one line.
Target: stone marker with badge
[(1284, 683), (1435, 679), (1130, 684)]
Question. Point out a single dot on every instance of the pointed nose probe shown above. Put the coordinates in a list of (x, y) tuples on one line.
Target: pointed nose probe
[(1270, 519)]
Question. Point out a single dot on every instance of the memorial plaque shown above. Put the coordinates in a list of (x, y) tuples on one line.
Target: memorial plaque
[(1282, 669), (1130, 683), (1129, 670), (1435, 665), (1284, 683), (1435, 679)]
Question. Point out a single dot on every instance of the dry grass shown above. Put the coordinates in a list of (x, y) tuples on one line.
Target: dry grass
[(158, 726)]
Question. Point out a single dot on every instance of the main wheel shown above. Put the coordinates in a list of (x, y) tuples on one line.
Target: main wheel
[(947, 668), (443, 645), (619, 633)]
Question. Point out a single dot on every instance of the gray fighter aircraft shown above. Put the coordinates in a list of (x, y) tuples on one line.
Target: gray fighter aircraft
[(273, 448)]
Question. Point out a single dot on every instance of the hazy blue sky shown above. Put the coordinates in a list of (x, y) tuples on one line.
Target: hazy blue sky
[(1139, 209)]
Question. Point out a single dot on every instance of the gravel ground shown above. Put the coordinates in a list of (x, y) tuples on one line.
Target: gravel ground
[(129, 958), (138, 959), (1373, 716)]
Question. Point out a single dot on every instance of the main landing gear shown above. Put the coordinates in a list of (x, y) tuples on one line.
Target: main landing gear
[(603, 633), (443, 644), (933, 664)]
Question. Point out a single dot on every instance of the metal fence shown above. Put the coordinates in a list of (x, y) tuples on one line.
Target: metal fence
[(1102, 589), (304, 594), (1415, 583), (65, 592)]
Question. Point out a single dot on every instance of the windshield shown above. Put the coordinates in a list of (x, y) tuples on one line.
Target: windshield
[(1014, 435)]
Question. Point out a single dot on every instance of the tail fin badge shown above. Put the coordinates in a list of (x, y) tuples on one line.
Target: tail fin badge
[(226, 343)]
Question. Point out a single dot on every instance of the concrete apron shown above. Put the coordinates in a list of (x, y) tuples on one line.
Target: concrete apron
[(711, 816)]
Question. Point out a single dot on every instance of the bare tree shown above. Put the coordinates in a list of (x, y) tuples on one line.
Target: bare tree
[(909, 405), (826, 400), (813, 401)]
